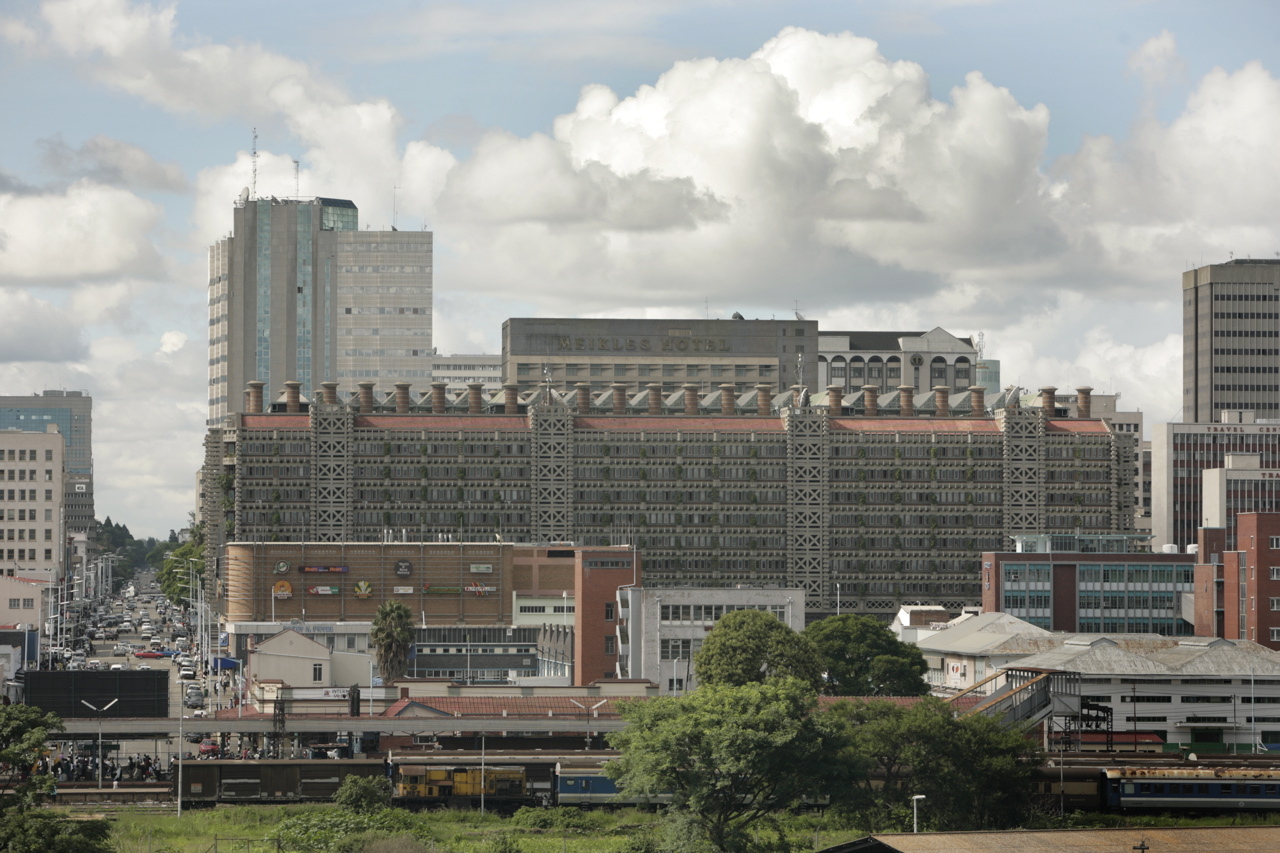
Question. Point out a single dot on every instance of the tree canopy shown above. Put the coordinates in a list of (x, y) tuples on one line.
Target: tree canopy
[(862, 657), (729, 755), (392, 638), (974, 771), (749, 646)]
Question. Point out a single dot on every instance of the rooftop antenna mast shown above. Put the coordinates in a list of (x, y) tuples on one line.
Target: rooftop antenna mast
[(297, 184), (394, 188), (982, 344), (254, 157)]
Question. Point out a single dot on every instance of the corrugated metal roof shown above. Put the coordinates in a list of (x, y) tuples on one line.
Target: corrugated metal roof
[(749, 422), (1189, 839), (452, 421), (1076, 426)]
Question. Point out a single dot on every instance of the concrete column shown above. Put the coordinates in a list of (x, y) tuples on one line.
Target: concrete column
[(255, 396), (402, 398), (655, 398), (728, 399), (835, 401), (942, 401), (977, 401), (619, 398), (438, 398), (329, 392), (511, 399), (1047, 395), (907, 401), (1084, 402), (366, 396), (764, 399), (691, 398), (871, 400), (475, 398)]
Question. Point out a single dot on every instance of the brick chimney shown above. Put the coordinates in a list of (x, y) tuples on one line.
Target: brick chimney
[(1084, 402), (835, 401), (293, 396), (511, 398), (438, 397), (977, 401), (255, 396), (655, 398), (942, 401), (475, 398), (906, 401), (1048, 395), (329, 391), (583, 398), (619, 398), (366, 396), (871, 400), (764, 399), (691, 398), (402, 398), (728, 399)]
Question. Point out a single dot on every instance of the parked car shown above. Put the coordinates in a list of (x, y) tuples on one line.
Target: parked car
[(193, 700), (144, 666), (187, 673), (208, 746), (148, 654)]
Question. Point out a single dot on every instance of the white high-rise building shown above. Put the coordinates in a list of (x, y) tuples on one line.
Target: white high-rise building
[(298, 292)]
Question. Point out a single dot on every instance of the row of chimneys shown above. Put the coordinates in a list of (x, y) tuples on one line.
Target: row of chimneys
[(728, 398)]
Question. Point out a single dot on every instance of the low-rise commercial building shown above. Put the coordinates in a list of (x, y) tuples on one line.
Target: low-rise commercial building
[(32, 523), (660, 629)]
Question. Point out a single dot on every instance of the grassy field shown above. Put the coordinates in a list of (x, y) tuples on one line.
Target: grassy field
[(329, 829)]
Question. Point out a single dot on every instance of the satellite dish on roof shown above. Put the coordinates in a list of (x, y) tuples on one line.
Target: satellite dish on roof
[(244, 194), (738, 316)]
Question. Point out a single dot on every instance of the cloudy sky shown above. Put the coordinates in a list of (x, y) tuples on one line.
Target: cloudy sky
[(1040, 172)]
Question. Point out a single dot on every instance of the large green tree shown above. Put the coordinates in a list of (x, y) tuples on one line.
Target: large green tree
[(862, 657), (25, 828), (975, 772), (392, 637), (749, 646), (729, 756)]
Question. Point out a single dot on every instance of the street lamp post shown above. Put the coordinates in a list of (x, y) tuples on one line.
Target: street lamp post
[(99, 712), (915, 812)]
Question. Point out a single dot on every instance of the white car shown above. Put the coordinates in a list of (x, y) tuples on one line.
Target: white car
[(144, 666), (187, 672)]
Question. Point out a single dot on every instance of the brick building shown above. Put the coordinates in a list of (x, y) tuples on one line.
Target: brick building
[(798, 491), (1237, 586)]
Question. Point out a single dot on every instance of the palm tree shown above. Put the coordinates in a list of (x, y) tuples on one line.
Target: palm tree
[(392, 637)]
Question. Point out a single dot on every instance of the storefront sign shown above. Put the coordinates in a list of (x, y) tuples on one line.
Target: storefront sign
[(282, 589), (323, 569), (363, 589), (402, 590), (481, 569), (477, 588), (324, 590), (403, 568), (282, 567), (441, 590)]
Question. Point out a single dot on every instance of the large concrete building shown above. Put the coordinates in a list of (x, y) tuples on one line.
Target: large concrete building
[(32, 528), (1182, 453), (72, 413), (1231, 340), (706, 353), (890, 360), (801, 492), (298, 292)]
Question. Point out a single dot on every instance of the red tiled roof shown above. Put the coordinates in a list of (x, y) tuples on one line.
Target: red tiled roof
[(449, 421), (276, 421), (672, 423), (1076, 426), (984, 425)]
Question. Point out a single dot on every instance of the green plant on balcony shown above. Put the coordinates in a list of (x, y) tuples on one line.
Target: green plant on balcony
[(386, 472), (713, 494), (496, 473), (752, 499), (386, 449), (424, 493), (644, 453), (753, 475), (754, 452), (644, 475), (386, 519), (969, 474), (275, 496), (228, 505), (226, 482), (968, 497), (386, 495), (462, 473), (605, 450), (678, 471), (424, 472), (461, 493), (424, 450), (897, 474), (679, 450), (275, 450), (607, 518), (606, 472), (497, 451), (715, 472), (895, 497), (895, 521)]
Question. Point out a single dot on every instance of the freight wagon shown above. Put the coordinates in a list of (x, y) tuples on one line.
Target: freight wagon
[(269, 780)]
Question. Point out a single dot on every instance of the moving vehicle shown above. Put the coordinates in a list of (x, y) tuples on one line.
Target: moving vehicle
[(186, 672)]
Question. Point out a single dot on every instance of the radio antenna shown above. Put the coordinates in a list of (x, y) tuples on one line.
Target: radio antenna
[(254, 157)]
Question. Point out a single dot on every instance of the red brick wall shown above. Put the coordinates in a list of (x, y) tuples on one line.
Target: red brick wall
[(594, 589)]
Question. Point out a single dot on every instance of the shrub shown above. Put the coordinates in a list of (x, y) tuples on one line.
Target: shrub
[(363, 794)]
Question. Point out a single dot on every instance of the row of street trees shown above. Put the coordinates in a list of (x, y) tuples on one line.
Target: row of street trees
[(756, 738)]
